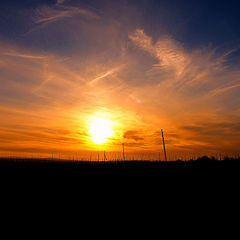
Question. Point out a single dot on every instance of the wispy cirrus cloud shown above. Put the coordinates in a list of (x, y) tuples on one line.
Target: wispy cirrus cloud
[(106, 74), (187, 70), (223, 89), (170, 54), (47, 14), (22, 55)]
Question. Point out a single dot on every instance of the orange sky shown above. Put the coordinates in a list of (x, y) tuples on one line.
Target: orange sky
[(140, 84)]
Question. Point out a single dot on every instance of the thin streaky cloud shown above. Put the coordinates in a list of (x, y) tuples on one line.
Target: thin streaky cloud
[(106, 74), (13, 54), (52, 14), (223, 90)]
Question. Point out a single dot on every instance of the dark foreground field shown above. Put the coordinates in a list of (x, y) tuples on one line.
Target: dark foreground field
[(203, 162)]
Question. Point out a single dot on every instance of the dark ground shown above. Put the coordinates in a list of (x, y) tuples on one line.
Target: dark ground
[(203, 162)]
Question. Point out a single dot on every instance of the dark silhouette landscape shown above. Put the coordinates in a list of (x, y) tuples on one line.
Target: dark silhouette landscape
[(203, 162)]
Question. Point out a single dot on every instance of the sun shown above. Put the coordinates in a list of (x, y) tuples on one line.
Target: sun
[(100, 130)]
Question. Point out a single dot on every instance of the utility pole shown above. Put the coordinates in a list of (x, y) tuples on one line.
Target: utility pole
[(105, 158), (123, 153), (164, 148)]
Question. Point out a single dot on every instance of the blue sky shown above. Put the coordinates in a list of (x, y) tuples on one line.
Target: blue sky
[(143, 64), (196, 23)]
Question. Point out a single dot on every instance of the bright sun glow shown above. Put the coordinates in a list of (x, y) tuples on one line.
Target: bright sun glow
[(100, 130)]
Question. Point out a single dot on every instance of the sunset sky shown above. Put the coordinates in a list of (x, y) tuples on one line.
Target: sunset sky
[(69, 69)]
